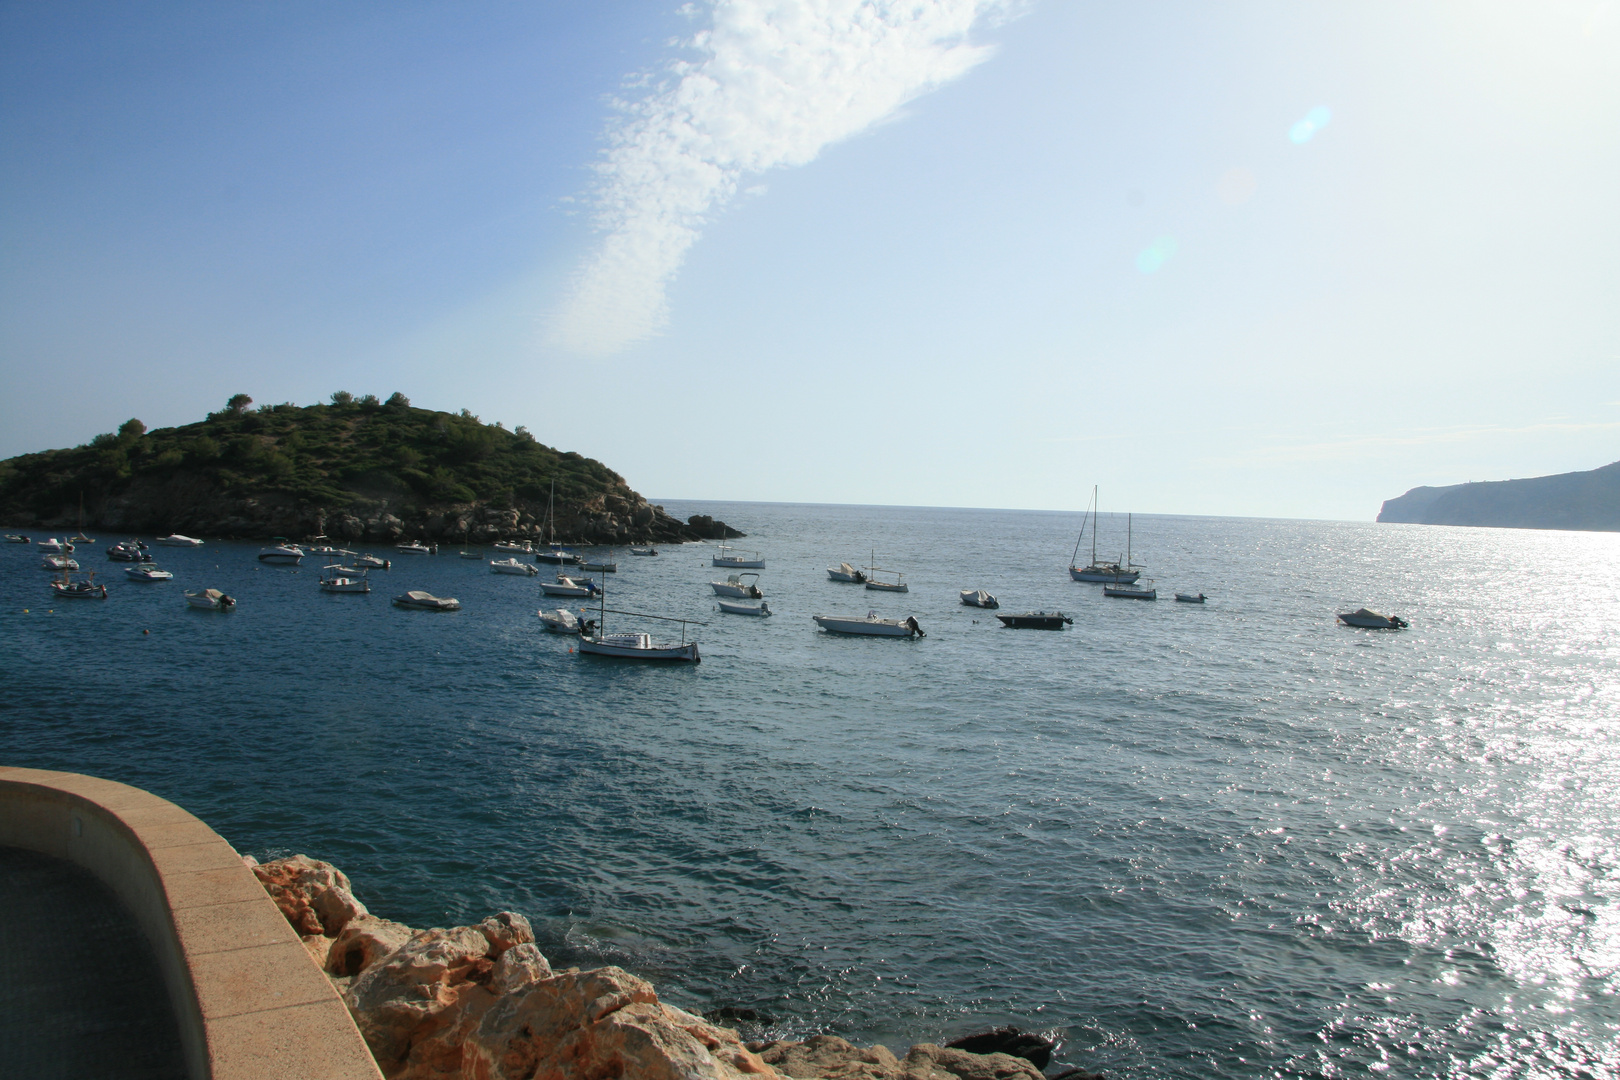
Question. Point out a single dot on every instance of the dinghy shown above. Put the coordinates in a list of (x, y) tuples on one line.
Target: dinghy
[(737, 608), (734, 585), (978, 598), (870, 625)]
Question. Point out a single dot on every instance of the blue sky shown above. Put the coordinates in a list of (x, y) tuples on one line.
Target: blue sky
[(948, 252)]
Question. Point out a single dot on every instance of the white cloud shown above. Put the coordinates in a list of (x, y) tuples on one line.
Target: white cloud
[(774, 82)]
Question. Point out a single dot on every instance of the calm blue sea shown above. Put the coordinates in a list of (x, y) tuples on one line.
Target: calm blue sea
[(1233, 840)]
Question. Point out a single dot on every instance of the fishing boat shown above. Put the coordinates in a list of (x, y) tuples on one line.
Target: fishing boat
[(1095, 571), (555, 554), (734, 585), (328, 551), (415, 547), (371, 562), (735, 607), (426, 601), (520, 547), (600, 566), (1190, 598), (176, 540), (978, 598), (512, 566), (282, 553), (1131, 590), (338, 570), (58, 562), (870, 625), (567, 586), (1036, 620), (147, 572), (635, 646), (65, 587), (845, 572), (645, 552), (128, 551), (210, 600), (879, 585), (1371, 620), (563, 621), (341, 583), (747, 560)]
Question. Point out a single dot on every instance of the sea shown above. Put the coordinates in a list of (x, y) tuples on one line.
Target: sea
[(1228, 839)]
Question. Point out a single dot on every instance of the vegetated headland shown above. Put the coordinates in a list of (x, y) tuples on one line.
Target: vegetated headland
[(355, 469), (1587, 501)]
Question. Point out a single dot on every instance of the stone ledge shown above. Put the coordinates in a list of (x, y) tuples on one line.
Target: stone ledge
[(248, 1001)]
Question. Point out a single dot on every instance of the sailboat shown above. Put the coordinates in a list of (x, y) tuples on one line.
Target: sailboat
[(1106, 572), (1126, 588), (554, 554), (81, 538), (635, 646)]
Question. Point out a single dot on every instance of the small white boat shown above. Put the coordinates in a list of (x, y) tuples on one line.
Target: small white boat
[(737, 608), (644, 551), (512, 566), (176, 540), (747, 560), (54, 546), (329, 551), (978, 598), (567, 586), (210, 600), (58, 562), (1371, 620), (371, 562), (897, 585), (522, 547), (472, 554), (147, 572), (734, 585), (846, 572), (1129, 590), (637, 647), (288, 554), (563, 621), (414, 548), (335, 579), (426, 601), (870, 625), (556, 556), (601, 566), (17, 538), (66, 588), (1190, 598)]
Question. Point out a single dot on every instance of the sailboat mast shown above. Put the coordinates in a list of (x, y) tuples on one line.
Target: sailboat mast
[(1094, 509), (1073, 559)]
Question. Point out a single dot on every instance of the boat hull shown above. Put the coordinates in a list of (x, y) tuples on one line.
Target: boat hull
[(564, 590), (1035, 620), (887, 586), (1373, 622), (1104, 575), (1122, 593), (744, 609), (868, 626), (687, 653)]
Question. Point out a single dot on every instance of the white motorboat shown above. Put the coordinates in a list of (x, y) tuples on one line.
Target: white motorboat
[(177, 540), (978, 598), (522, 547), (289, 554), (846, 572), (128, 551), (600, 566), (1130, 590), (1371, 620), (735, 585), (415, 548), (371, 562), (66, 588), (556, 556), (53, 546), (210, 600), (426, 601), (747, 560), (644, 551), (870, 625), (472, 554), (147, 572), (58, 562), (17, 538), (638, 647), (1096, 571), (736, 608), (336, 579), (512, 566), (563, 621), (567, 586), (1190, 598), (879, 585), (337, 570), (329, 551)]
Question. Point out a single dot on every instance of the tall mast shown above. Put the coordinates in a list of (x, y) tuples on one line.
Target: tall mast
[(1094, 525)]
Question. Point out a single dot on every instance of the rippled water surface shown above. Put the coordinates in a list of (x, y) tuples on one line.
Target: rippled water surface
[(1234, 839)]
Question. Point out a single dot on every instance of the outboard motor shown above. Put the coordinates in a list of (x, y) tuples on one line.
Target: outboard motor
[(911, 621)]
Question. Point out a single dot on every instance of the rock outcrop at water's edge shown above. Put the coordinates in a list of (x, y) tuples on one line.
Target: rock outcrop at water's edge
[(482, 1003)]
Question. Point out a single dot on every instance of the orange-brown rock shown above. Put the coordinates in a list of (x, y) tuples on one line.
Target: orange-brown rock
[(303, 889), (827, 1057), (362, 942), (597, 1024)]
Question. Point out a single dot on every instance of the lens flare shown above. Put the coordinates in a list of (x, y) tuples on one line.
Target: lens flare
[(1155, 254), (1305, 130)]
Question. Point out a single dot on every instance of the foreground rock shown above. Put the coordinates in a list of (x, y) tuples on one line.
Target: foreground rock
[(482, 1003)]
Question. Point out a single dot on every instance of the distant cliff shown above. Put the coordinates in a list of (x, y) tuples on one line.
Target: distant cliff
[(356, 469), (1579, 500)]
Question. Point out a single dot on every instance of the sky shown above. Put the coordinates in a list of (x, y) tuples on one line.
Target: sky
[(1261, 259)]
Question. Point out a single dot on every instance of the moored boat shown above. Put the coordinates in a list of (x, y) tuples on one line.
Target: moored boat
[(1371, 620), (1100, 571), (600, 566), (210, 600), (845, 572), (416, 547), (17, 538), (637, 646), (522, 547), (426, 601), (870, 625), (563, 621), (369, 561), (646, 551), (66, 588), (177, 540), (58, 562), (1129, 590), (338, 579), (147, 572), (567, 586), (512, 566), (730, 557), (1036, 620), (978, 598), (735, 585), (53, 546), (738, 608), (282, 553), (128, 551), (1190, 598)]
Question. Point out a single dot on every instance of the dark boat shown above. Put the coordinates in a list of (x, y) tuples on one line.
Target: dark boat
[(1036, 620)]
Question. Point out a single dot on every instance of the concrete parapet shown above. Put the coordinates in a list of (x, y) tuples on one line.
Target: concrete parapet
[(249, 1002)]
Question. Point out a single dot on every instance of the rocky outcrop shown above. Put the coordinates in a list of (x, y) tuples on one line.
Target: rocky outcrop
[(1578, 500), (1008, 1040), (481, 1002)]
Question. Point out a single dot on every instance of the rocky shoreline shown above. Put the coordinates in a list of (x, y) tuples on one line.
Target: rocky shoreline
[(482, 1003)]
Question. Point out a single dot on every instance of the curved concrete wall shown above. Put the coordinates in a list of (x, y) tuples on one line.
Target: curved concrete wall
[(249, 1001)]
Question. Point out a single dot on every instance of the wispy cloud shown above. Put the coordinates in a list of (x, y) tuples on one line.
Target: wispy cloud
[(772, 83)]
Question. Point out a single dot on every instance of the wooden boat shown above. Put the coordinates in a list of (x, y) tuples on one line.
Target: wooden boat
[(870, 625), (637, 646), (1104, 572), (846, 572), (737, 608), (1371, 620), (210, 600), (1190, 598), (600, 566), (1036, 620), (748, 560), (66, 588), (369, 561), (512, 566), (426, 601), (333, 580), (646, 551), (147, 572), (978, 598), (734, 585), (1128, 590)]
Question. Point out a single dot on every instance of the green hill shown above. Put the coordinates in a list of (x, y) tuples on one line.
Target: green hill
[(356, 469)]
